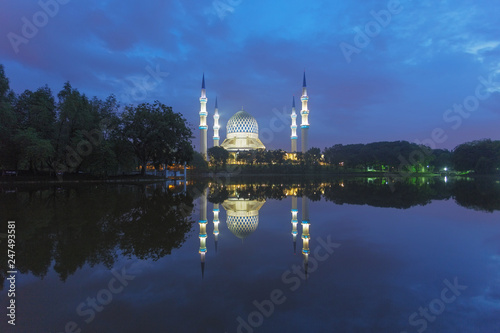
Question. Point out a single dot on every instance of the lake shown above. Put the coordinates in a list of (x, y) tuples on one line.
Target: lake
[(246, 255)]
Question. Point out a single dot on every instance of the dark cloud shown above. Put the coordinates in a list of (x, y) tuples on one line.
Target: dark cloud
[(253, 53)]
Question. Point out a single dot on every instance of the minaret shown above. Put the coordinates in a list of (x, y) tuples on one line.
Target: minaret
[(294, 127), (305, 231), (294, 223), (305, 115), (203, 120), (216, 224), (216, 125), (203, 231)]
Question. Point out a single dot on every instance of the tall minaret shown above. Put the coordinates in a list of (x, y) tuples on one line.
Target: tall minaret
[(294, 127), (305, 115), (305, 231), (216, 124), (203, 230), (203, 119), (216, 224), (294, 222)]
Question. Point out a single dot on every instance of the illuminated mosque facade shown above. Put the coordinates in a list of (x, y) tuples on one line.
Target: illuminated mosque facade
[(242, 130), (242, 134)]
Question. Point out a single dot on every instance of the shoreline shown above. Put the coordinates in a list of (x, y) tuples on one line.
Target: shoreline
[(234, 175)]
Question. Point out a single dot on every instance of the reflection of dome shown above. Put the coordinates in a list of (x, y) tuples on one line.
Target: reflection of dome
[(242, 226), (242, 122), (242, 216)]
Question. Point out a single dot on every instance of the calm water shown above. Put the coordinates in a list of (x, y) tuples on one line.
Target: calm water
[(362, 256)]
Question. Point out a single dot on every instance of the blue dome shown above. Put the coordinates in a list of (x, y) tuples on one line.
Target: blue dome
[(242, 122)]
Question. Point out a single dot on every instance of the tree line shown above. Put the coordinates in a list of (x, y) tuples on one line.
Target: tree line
[(481, 156), (78, 134)]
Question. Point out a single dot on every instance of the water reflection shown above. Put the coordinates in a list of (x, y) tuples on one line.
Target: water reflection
[(70, 226), (242, 215), (245, 234), (242, 204), (242, 201), (305, 231), (93, 224), (480, 194)]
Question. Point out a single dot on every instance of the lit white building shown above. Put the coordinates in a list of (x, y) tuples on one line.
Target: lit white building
[(242, 130), (242, 133)]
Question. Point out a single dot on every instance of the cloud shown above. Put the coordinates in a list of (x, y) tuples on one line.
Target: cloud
[(428, 57)]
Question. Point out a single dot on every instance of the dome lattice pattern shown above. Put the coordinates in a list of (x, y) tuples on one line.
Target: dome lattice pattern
[(242, 122), (242, 226)]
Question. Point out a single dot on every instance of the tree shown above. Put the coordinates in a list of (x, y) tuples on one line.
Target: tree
[(8, 124), (37, 110), (482, 156), (313, 156), (218, 156), (442, 158), (33, 150), (35, 115), (279, 156), (198, 162), (156, 134), (247, 157), (76, 118), (114, 154), (260, 156)]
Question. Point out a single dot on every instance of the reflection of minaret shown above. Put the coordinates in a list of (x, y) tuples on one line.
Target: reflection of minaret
[(216, 224), (203, 120), (216, 125), (203, 230), (305, 231), (305, 117), (294, 223), (294, 127)]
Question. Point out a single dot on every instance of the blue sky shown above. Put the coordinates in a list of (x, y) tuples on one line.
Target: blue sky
[(399, 84)]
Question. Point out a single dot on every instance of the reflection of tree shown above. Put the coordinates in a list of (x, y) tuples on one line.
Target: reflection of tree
[(155, 226), (82, 225), (219, 193), (356, 191), (402, 195), (482, 194), (74, 226)]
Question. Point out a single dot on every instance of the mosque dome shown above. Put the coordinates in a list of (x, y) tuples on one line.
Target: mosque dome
[(242, 122)]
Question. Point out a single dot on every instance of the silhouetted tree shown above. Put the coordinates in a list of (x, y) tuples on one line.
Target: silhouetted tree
[(218, 156), (156, 134), (482, 156)]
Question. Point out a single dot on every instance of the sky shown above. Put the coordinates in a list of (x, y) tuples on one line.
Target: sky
[(421, 71)]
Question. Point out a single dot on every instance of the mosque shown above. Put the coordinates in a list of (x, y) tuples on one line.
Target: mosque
[(242, 130), (242, 134)]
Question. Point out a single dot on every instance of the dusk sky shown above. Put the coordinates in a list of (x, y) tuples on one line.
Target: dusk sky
[(371, 77)]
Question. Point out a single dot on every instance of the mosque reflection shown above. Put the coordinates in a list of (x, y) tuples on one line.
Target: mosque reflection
[(68, 227), (242, 217)]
